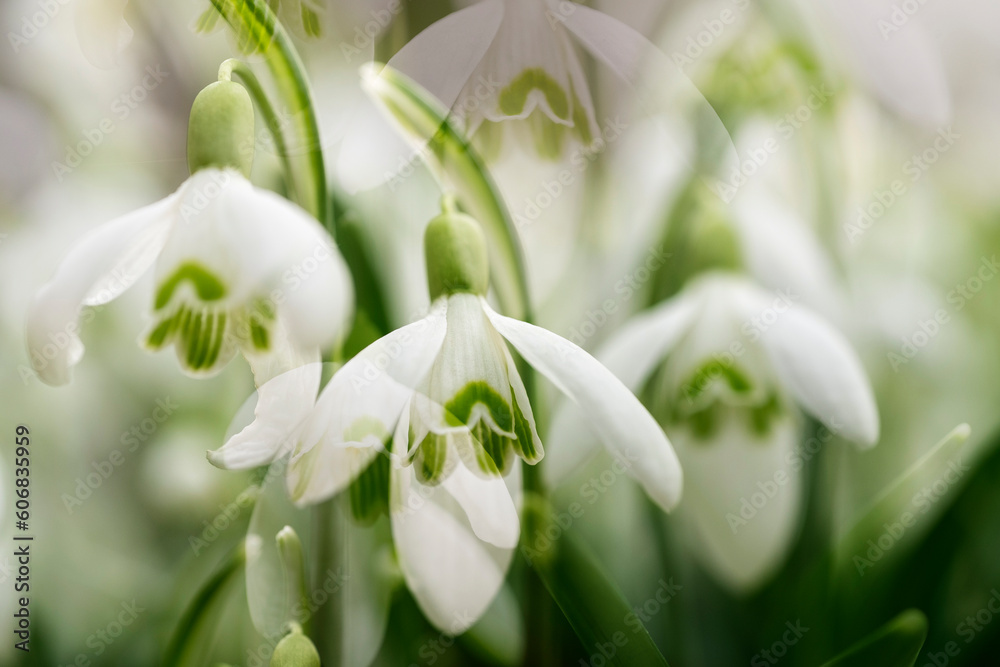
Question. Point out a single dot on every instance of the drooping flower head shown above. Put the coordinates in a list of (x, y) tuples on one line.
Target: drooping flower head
[(234, 267), (436, 417), (725, 367)]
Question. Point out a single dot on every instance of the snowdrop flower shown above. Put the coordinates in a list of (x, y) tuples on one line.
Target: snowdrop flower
[(723, 366), (517, 60), (436, 416), (235, 267)]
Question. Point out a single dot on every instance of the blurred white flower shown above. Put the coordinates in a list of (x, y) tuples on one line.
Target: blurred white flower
[(236, 268), (102, 31), (446, 392), (722, 365)]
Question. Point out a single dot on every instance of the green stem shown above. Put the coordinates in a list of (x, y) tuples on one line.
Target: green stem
[(450, 156), (329, 528), (259, 31), (234, 66)]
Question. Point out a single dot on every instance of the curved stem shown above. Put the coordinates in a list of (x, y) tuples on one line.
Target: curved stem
[(235, 66), (259, 31), (450, 156)]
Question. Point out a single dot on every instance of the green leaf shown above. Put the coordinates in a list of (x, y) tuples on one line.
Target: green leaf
[(594, 606), (425, 120), (258, 31), (897, 517), (200, 620), (895, 644), (498, 636)]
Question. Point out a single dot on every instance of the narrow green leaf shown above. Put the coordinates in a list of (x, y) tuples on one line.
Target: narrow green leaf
[(905, 509), (426, 121), (258, 31), (200, 619), (895, 644), (594, 606)]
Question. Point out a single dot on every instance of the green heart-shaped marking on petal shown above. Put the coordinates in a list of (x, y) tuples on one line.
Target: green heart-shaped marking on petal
[(207, 286)]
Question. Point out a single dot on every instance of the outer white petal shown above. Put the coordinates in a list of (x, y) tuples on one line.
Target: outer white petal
[(632, 354), (817, 365), (358, 410), (102, 31), (378, 382), (99, 268), (741, 550), (902, 67), (260, 244), (326, 470), (283, 403), (452, 574), (615, 414), (631, 56), (444, 55)]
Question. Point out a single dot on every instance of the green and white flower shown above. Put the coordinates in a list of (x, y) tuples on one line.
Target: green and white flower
[(723, 367), (234, 268), (436, 416)]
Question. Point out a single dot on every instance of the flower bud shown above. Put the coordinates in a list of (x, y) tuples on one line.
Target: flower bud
[(295, 650), (455, 250), (221, 128)]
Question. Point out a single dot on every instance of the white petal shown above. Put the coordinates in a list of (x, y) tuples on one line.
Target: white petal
[(326, 470), (631, 56), (902, 67), (741, 545), (452, 574), (110, 258), (283, 403), (632, 354), (375, 385), (261, 245), (444, 55), (817, 365), (488, 506), (102, 31), (615, 414)]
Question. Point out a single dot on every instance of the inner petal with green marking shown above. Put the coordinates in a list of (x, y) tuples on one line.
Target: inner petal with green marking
[(192, 313)]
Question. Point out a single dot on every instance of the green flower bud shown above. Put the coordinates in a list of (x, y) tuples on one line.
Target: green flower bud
[(221, 128), (295, 650), (455, 249)]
